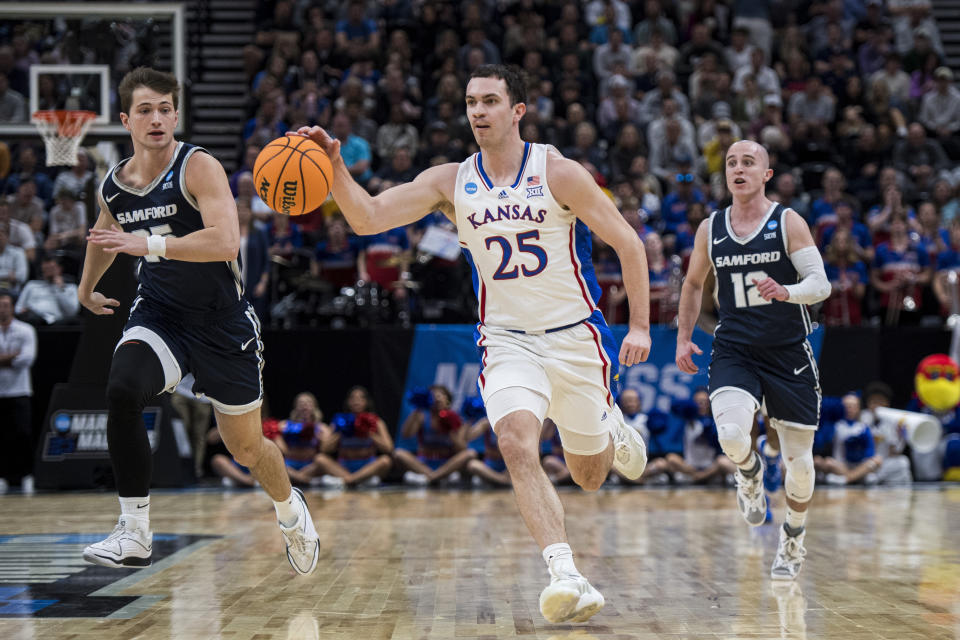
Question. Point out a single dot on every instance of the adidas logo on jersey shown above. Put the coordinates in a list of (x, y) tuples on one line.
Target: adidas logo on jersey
[(503, 195)]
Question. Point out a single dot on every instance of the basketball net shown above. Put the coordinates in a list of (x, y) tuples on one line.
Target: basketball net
[(62, 132)]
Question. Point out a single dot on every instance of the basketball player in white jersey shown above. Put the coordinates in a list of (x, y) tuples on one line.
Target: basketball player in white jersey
[(767, 269), (522, 212)]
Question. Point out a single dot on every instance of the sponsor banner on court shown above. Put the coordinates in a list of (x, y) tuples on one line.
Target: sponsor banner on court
[(447, 355)]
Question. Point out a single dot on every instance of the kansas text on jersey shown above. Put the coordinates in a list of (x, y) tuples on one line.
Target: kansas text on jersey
[(744, 316), (531, 262), (165, 207)]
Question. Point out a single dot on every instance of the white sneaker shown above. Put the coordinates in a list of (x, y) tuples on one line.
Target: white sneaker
[(790, 554), (27, 485), (836, 479), (569, 598), (331, 482), (751, 501), (227, 482), (414, 478), (303, 543), (372, 481), (128, 546), (629, 451), (4, 486)]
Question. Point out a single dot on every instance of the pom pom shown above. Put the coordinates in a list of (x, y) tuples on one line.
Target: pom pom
[(448, 421), (365, 424), (271, 428), (473, 408), (343, 422), (420, 397)]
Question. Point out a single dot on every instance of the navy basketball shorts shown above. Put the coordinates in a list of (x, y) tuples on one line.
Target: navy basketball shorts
[(225, 353), (785, 378)]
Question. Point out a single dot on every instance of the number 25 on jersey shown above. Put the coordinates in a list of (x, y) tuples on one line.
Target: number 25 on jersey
[(504, 272)]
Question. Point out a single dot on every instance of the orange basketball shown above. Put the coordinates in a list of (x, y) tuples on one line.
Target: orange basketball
[(293, 175)]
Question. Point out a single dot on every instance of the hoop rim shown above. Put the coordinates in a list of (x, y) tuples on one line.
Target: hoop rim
[(60, 115)]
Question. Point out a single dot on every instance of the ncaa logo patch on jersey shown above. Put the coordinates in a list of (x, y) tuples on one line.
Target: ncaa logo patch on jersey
[(470, 188), (167, 184), (772, 225)]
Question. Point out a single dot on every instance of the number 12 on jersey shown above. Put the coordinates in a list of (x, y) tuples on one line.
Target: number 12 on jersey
[(523, 246), (745, 294)]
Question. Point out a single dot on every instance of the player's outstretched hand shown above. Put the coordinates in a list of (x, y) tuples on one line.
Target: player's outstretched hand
[(99, 304), (769, 289), (635, 347), (115, 240), (330, 146), (685, 351)]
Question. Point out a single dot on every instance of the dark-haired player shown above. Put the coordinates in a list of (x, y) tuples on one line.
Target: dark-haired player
[(170, 204)]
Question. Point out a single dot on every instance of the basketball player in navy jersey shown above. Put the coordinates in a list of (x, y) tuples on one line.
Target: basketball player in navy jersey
[(522, 212), (767, 269), (170, 204)]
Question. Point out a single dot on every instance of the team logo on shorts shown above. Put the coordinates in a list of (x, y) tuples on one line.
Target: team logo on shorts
[(772, 225), (470, 188)]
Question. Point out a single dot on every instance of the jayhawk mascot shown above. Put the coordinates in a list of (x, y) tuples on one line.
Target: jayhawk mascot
[(937, 386)]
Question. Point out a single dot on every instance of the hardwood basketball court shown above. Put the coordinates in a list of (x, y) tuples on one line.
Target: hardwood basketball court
[(459, 564)]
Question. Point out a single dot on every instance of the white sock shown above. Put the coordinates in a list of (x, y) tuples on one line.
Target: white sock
[(795, 520), (559, 559), (138, 509), (287, 512), (769, 451)]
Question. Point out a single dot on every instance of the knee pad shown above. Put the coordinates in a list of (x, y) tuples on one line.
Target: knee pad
[(800, 477), (796, 446), (733, 413)]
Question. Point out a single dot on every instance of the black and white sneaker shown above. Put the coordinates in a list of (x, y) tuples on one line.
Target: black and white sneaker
[(751, 500), (128, 546), (301, 539)]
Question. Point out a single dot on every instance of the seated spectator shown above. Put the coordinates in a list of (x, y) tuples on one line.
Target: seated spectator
[(699, 44), (13, 263), (715, 151), (657, 130), (663, 54), (683, 192), (586, 150), (398, 170), (299, 439), (267, 125), (19, 233), (845, 218), (683, 246), (932, 234), (822, 212), (666, 88), (354, 150), (920, 158), (437, 143), (765, 77), (945, 200), (25, 170), (664, 295), (947, 262), (738, 53), (879, 215), (357, 35), (670, 155), (79, 180), (854, 458), (441, 439), (24, 204), (619, 108), (702, 460), (896, 79), (791, 195), (49, 300), (335, 258), (812, 109), (397, 133), (847, 274), (357, 449), (254, 261), (490, 468), (900, 270), (889, 437), (628, 145), (13, 104), (864, 159), (940, 108), (377, 260), (68, 223), (612, 55), (750, 106)]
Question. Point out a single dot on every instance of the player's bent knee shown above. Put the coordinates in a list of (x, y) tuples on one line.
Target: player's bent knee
[(248, 454), (734, 441), (800, 477)]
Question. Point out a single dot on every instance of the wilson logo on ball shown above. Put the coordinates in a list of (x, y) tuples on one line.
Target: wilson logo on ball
[(289, 199)]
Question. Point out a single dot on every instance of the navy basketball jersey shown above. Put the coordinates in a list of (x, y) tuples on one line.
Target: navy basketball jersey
[(165, 207), (743, 315)]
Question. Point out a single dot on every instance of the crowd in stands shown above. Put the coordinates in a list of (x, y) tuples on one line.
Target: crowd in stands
[(852, 100)]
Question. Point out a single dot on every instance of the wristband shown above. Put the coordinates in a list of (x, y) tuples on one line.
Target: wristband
[(156, 246)]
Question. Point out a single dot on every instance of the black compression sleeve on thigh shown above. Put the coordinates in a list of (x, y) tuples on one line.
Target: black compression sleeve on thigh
[(136, 376)]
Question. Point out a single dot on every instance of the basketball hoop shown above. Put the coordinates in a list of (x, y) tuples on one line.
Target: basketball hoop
[(62, 132)]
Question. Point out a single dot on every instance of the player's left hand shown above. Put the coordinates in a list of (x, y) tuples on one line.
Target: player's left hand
[(635, 347), (115, 240), (769, 289)]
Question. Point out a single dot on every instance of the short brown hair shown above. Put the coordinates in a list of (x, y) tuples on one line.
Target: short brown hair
[(512, 76), (159, 81)]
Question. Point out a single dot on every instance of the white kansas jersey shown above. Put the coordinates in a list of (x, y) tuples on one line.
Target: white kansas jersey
[(532, 269)]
